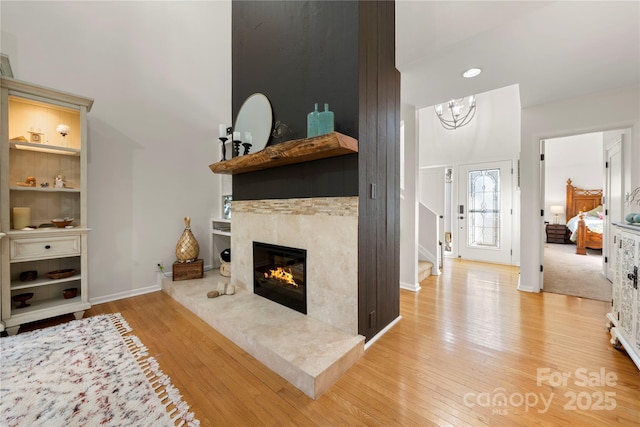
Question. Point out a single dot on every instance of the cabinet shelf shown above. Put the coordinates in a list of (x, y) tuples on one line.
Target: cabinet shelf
[(43, 304), (44, 148), (45, 189), (17, 285)]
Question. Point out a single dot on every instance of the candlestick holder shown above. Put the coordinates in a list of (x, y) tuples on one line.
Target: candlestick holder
[(223, 140), (247, 147), (236, 148)]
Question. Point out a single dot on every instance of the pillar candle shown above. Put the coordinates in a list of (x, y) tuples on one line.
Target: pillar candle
[(236, 136), (223, 131), (21, 218)]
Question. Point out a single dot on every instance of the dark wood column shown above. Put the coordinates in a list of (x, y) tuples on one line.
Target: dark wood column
[(379, 169)]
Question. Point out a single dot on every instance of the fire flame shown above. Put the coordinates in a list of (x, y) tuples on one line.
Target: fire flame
[(281, 274)]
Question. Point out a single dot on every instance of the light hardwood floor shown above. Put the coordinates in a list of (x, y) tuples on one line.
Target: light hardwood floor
[(466, 339)]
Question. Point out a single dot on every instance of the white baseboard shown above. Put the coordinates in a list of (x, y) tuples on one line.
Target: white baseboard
[(382, 332), (410, 287), (141, 291), (525, 288), (123, 295)]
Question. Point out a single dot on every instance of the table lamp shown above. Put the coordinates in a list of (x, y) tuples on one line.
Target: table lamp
[(556, 210)]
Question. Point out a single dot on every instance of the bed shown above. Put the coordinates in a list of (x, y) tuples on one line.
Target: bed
[(584, 217)]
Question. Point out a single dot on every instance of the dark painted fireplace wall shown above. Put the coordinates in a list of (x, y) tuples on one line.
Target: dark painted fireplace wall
[(343, 53)]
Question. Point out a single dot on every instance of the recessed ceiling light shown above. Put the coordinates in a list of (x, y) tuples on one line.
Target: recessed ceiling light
[(471, 72)]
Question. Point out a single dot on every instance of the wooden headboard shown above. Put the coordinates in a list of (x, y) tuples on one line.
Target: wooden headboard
[(580, 200)]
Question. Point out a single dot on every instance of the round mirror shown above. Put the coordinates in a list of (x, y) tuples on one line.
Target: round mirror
[(254, 121)]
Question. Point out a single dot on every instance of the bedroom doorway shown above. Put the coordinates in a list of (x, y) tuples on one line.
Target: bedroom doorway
[(585, 159)]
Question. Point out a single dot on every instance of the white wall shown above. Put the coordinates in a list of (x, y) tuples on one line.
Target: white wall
[(160, 74), (614, 109), (579, 157), (494, 133), (408, 202)]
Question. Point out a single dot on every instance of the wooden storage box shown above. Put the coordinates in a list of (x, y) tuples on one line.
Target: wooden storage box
[(188, 270)]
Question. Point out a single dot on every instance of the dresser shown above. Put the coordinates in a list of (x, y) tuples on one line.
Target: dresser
[(558, 233), (624, 318)]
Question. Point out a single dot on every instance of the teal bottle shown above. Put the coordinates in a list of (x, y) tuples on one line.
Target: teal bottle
[(325, 121), (313, 122)]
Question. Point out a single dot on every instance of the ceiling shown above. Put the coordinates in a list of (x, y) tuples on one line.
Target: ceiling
[(553, 50)]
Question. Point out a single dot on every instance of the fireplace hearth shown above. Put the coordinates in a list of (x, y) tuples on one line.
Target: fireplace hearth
[(280, 274)]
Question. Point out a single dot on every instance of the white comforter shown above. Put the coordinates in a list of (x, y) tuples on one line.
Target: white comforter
[(595, 225)]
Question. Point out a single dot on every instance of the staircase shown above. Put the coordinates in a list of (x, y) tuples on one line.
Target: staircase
[(424, 270)]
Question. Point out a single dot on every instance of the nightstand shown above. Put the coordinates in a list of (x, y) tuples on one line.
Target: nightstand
[(558, 233)]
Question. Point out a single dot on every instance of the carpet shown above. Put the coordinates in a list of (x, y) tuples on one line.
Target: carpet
[(87, 372), (568, 273)]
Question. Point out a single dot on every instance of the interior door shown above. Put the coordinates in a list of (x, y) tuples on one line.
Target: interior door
[(484, 213), (613, 203)]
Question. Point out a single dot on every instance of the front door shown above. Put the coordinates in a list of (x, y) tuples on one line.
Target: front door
[(484, 212)]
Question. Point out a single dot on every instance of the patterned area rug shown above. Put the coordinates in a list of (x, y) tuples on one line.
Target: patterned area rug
[(87, 372)]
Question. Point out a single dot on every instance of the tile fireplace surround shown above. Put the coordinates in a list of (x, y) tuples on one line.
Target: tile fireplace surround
[(310, 351), (327, 228)]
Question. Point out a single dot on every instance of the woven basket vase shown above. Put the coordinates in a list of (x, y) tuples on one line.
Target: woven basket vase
[(187, 249)]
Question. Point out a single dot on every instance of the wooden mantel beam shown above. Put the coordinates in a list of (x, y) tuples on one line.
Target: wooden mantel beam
[(290, 152)]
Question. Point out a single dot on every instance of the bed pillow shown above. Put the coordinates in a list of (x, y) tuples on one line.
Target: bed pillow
[(600, 215), (595, 211)]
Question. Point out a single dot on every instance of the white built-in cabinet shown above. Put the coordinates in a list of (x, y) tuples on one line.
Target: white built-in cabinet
[(624, 318), (43, 170)]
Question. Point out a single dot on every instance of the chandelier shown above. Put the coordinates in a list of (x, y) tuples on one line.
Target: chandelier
[(458, 114)]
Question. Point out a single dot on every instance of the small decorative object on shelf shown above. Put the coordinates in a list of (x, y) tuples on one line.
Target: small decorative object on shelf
[(325, 121), (35, 135), (61, 274), (28, 276), (22, 299), (281, 130), (62, 222), (21, 217), (29, 182), (313, 120), (63, 130), (187, 249), (236, 144), (248, 139), (223, 139), (70, 293), (60, 181), (225, 263), (632, 218), (226, 206)]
